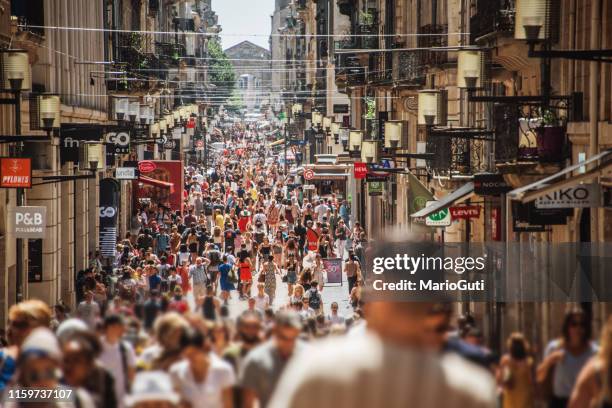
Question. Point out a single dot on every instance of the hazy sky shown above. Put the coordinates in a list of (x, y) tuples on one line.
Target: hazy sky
[(244, 20)]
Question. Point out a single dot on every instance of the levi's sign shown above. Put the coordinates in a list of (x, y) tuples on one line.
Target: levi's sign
[(580, 196), (466, 212)]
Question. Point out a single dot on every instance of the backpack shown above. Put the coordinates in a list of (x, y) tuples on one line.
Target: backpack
[(315, 299)]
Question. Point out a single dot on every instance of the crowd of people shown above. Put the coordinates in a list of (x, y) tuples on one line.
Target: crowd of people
[(222, 304)]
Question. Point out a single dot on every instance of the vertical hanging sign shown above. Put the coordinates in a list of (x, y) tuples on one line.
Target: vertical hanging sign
[(109, 209)]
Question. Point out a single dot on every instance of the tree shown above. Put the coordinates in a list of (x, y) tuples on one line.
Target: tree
[(235, 103), (222, 73)]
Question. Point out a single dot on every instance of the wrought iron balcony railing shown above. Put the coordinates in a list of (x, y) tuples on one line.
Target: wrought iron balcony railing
[(435, 36), (409, 67), (492, 16), (380, 67)]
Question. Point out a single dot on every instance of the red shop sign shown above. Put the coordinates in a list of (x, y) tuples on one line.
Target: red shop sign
[(465, 212), (15, 172), (191, 124), (146, 166), (360, 170)]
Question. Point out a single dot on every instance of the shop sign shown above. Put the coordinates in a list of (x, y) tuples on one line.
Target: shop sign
[(109, 207), (579, 196), (441, 218), (465, 212), (146, 166), (360, 170), (119, 140), (15, 172), (28, 222), (524, 226), (490, 184), (126, 173), (371, 177), (375, 188)]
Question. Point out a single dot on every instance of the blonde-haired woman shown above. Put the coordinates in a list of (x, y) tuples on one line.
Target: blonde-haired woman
[(594, 384), (515, 373)]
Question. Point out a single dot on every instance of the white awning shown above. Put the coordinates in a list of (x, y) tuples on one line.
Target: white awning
[(548, 184), (446, 201)]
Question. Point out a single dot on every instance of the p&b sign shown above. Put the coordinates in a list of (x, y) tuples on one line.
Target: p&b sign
[(28, 222), (579, 196)]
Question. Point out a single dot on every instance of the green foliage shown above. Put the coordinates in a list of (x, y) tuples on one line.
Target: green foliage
[(222, 73), (235, 103)]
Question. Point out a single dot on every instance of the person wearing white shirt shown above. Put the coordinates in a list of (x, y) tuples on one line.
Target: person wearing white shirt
[(202, 379), (334, 318), (262, 300), (321, 210), (118, 356)]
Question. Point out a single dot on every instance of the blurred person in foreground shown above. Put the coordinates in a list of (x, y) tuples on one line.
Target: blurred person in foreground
[(395, 369), (263, 366), (202, 379), (39, 368), (515, 374), (594, 384), (152, 389), (23, 318), (565, 357)]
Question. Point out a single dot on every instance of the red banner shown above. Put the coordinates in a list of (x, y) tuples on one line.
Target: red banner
[(169, 190), (465, 212), (15, 172), (360, 170)]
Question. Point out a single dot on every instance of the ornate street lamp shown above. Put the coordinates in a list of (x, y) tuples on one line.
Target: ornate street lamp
[(355, 138), (428, 107), (134, 111), (16, 71), (49, 107), (327, 121), (335, 131), (369, 151), (469, 68), (121, 107), (393, 134)]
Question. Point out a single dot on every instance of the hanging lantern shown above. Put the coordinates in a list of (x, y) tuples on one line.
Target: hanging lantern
[(134, 111), (163, 126), (176, 115), (369, 151), (144, 114), (296, 109), (428, 107), (49, 107), (327, 121), (532, 19), (344, 136), (316, 118), (169, 120), (122, 106), (16, 73), (355, 137), (469, 68), (155, 130), (393, 134)]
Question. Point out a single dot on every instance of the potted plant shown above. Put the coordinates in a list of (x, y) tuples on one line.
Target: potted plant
[(366, 18), (550, 137)]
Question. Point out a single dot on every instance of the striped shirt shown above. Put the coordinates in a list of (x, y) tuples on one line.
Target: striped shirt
[(198, 274)]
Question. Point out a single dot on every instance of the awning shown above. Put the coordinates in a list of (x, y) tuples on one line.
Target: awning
[(277, 143), (547, 185), (446, 201), (156, 183)]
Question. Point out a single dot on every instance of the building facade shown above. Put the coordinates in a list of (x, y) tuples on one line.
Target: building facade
[(515, 112)]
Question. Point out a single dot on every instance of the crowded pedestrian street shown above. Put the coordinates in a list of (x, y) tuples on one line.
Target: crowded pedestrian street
[(305, 203)]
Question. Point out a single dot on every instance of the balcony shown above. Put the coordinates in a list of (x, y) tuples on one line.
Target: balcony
[(456, 155), (184, 24), (170, 53), (409, 69), (437, 36), (380, 69), (492, 16)]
